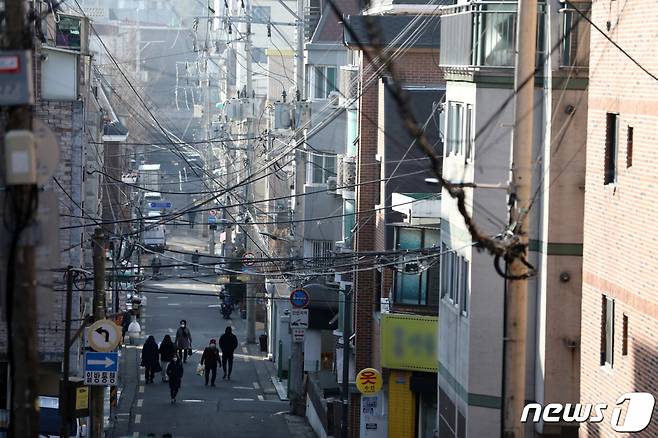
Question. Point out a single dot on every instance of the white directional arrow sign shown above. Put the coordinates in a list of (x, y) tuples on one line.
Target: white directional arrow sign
[(107, 362), (104, 335)]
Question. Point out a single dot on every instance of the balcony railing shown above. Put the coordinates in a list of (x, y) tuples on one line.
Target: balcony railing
[(483, 34)]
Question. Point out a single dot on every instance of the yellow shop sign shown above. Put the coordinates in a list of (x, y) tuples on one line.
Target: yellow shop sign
[(409, 342)]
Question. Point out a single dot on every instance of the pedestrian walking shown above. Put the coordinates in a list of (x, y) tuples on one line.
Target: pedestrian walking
[(175, 374), (156, 263), (150, 358), (210, 360), (228, 342), (195, 261), (125, 323), (183, 341), (167, 351)]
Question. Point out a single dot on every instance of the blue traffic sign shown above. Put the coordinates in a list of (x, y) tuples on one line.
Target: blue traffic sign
[(160, 204), (212, 219), (299, 298), (108, 362)]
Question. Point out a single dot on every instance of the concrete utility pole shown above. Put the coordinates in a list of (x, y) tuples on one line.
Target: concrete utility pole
[(97, 392), (210, 156), (345, 394), (251, 296), (299, 52), (65, 408), (297, 402), (517, 290), (21, 278)]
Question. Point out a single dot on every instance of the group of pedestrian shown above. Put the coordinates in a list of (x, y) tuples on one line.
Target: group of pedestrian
[(169, 357), (211, 360)]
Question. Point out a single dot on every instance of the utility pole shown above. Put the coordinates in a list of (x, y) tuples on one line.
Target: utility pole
[(517, 290), (210, 156), (21, 278), (251, 296), (66, 411), (297, 403), (299, 52), (97, 392), (347, 333)]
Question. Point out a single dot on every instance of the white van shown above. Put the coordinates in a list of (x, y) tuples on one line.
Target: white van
[(154, 235), (49, 420)]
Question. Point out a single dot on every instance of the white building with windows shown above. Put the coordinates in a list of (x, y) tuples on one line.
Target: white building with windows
[(479, 123)]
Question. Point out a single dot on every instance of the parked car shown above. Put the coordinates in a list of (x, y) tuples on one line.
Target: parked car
[(50, 419)]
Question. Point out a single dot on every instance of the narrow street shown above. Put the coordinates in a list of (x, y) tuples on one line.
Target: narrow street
[(246, 406)]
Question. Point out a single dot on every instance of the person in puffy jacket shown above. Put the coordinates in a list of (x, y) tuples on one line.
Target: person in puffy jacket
[(167, 351), (175, 373), (210, 359), (150, 358), (228, 342), (183, 341)]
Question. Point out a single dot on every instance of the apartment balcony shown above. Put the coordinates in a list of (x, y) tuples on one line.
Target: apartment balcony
[(481, 36)]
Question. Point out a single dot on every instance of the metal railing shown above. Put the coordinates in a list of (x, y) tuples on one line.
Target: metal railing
[(483, 34)]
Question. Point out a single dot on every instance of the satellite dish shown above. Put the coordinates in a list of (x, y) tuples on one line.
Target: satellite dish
[(47, 151)]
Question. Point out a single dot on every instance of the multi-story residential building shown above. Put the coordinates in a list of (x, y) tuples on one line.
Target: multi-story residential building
[(68, 124), (477, 58), (396, 297), (619, 304)]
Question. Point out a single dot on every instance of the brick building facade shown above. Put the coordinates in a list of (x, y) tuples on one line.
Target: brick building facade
[(620, 264), (415, 66)]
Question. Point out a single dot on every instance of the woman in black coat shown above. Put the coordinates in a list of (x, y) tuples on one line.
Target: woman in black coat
[(175, 374), (167, 351), (150, 359)]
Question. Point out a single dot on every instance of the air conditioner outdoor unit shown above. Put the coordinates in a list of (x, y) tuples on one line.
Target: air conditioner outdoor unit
[(332, 184)]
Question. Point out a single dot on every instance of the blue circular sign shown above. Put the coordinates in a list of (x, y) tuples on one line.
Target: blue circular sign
[(299, 298)]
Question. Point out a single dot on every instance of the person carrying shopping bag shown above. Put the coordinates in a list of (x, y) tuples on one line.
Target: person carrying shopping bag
[(167, 351), (183, 341), (210, 360), (150, 359), (175, 374)]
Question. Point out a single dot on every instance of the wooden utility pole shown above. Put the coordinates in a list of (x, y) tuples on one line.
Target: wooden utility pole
[(517, 290), (98, 392), (21, 285)]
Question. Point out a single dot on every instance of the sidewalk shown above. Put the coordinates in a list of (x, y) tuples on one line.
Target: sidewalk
[(271, 386)]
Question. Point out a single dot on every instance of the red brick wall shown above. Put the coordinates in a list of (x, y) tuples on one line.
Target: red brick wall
[(620, 250), (419, 68)]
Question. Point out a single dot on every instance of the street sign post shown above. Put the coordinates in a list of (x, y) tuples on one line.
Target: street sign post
[(369, 381), (104, 335), (299, 298), (160, 204), (101, 369), (248, 259), (298, 335), (299, 318)]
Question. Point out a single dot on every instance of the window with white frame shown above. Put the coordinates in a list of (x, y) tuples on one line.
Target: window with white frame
[(468, 134), (455, 279), (323, 81), (320, 168), (455, 142)]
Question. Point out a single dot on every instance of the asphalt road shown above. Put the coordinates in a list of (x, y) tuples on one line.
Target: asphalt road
[(236, 408)]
